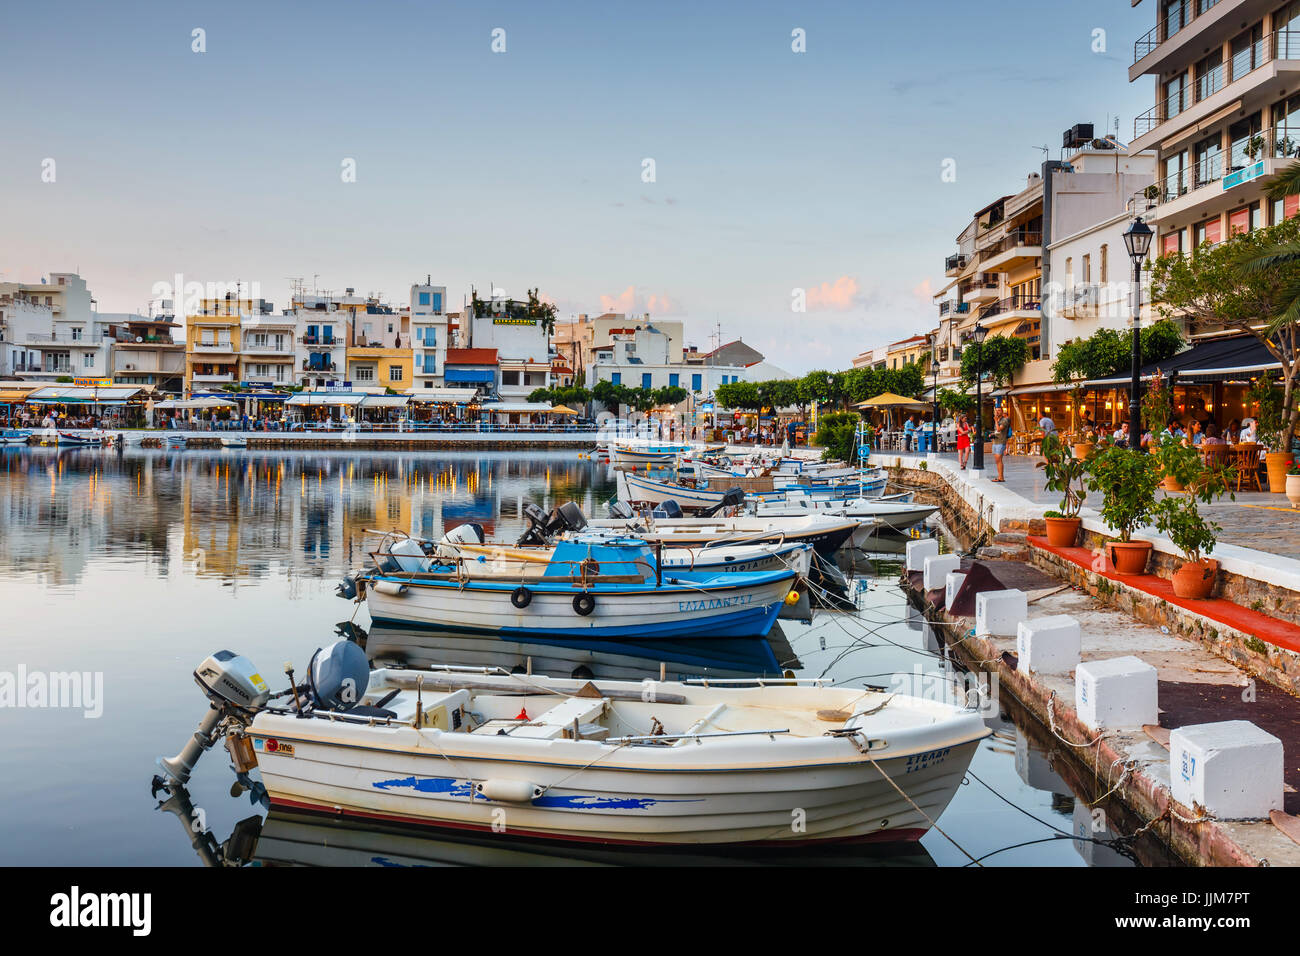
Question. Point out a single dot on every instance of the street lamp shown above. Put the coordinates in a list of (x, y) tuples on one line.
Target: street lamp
[(1137, 240), (978, 334), (934, 415)]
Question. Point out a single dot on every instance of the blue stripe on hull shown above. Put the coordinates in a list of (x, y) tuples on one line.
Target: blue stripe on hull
[(751, 622)]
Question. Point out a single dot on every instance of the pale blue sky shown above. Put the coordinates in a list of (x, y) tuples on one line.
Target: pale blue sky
[(775, 170)]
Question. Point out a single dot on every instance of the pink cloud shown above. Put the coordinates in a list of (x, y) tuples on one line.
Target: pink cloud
[(924, 291), (630, 300), (840, 295)]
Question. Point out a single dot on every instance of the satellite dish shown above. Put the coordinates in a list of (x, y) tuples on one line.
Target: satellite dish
[(138, 339)]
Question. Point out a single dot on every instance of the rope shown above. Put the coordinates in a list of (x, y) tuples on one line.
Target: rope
[(1051, 721), (915, 807)]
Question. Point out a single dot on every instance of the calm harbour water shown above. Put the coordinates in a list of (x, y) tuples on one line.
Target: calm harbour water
[(136, 565)]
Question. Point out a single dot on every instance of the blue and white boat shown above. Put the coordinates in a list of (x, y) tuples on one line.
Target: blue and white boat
[(590, 587), (625, 453), (642, 488), (15, 436)]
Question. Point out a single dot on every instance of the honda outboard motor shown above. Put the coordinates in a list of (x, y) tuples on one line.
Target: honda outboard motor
[(732, 498), (667, 509), (449, 546), (338, 676), (620, 509), (235, 689)]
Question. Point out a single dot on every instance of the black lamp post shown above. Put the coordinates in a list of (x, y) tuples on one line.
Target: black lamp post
[(934, 377), (978, 334), (1137, 240)]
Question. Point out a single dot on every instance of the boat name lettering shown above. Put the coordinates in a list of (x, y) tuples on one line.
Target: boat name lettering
[(712, 604), (927, 759)]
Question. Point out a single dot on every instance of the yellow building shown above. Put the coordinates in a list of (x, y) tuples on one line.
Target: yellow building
[(370, 365), (213, 341)]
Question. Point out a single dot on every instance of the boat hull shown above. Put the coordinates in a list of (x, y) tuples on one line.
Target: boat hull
[(677, 801), (671, 612)]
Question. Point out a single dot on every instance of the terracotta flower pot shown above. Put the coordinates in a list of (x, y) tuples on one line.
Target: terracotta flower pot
[(1276, 462), (1083, 449), (1129, 557), (1293, 490), (1063, 532), (1195, 580), (1169, 483)]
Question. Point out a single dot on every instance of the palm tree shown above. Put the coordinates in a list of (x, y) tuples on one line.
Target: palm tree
[(1279, 254)]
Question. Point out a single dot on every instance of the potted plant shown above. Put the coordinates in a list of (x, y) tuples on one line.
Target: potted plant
[(1293, 483), (1127, 479), (1064, 474), (1267, 398), (1179, 518), (1082, 449)]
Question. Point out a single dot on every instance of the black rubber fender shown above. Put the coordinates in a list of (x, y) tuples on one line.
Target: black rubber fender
[(521, 597), (584, 603)]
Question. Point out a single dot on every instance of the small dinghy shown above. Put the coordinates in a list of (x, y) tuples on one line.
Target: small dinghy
[(174, 440), (15, 436), (588, 586), (626, 762), (234, 441)]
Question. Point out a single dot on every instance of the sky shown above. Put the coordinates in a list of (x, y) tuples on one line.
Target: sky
[(505, 145)]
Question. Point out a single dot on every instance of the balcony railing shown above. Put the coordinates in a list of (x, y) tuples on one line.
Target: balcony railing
[(1012, 303), (268, 347), (953, 307), (984, 283), (1270, 144), (1282, 45), (310, 366), (49, 338), (1015, 239), (1168, 27), (953, 262), (328, 343)]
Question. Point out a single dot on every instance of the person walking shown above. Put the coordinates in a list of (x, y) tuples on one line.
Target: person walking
[(963, 442), (1001, 432)]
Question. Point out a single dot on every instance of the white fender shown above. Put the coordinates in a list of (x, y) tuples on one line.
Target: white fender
[(509, 791), (389, 587)]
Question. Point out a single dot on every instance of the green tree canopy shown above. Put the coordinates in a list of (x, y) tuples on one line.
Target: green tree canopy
[(999, 359)]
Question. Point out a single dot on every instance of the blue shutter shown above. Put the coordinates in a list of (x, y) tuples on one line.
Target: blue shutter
[(616, 378), (645, 379), (437, 302), (696, 382), (673, 379), (424, 298)]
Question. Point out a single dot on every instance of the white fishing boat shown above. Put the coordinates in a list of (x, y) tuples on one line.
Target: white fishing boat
[(641, 488), (628, 762), (234, 441), (647, 453), (15, 436), (826, 533), (874, 514), (174, 440)]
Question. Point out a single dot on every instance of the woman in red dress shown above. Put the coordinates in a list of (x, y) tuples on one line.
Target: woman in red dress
[(963, 442)]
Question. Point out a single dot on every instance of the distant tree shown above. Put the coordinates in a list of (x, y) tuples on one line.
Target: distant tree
[(998, 359)]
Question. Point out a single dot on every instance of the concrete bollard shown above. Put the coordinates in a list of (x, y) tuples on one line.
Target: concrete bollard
[(936, 569), (919, 550), (1231, 768), (1116, 694), (999, 613), (952, 584), (1048, 645)]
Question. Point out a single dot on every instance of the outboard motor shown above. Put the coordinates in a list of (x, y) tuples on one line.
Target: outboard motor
[(338, 676), (236, 690), (620, 510), (535, 533), (731, 498), (567, 517), (449, 546), (667, 509)]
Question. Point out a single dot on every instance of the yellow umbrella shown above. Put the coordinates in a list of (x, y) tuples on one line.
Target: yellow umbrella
[(563, 410), (890, 400)]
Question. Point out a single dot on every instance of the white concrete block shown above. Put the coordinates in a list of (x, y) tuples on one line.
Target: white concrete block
[(1091, 824), (1116, 694), (1035, 767), (1048, 645), (919, 550), (1231, 768), (937, 568), (999, 613), (952, 584)]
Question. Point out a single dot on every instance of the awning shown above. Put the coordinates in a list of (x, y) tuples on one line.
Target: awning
[(83, 395), (1215, 360), (325, 398), (384, 401), (192, 404), (890, 400), (1039, 389), (443, 396), (515, 407), (564, 410), (15, 395), (471, 375)]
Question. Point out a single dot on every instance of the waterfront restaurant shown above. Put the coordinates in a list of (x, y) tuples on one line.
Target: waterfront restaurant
[(443, 405), (89, 401)]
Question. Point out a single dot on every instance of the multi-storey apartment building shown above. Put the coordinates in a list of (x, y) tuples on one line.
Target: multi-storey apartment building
[(73, 342), (214, 339), (430, 336), (144, 349), (1225, 116)]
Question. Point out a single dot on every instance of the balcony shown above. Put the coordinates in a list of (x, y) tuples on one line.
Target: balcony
[(44, 339), (1257, 158), (210, 347), (320, 341), (1012, 307), (310, 366), (984, 288), (270, 350), (218, 378), (1169, 28), (953, 307), (954, 264), (1016, 248), (1219, 88)]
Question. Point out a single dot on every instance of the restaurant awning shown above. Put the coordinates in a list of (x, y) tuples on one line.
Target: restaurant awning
[(325, 398), (384, 401), (443, 396), (515, 407), (1214, 360), (470, 375), (192, 404), (890, 400), (83, 395)]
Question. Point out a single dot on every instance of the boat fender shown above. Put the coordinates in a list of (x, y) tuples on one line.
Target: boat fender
[(389, 587), (521, 597), (792, 599), (584, 603), (509, 791)]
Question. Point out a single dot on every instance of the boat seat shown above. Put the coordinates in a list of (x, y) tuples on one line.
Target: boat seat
[(560, 718)]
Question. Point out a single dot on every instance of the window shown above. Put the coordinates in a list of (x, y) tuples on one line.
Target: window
[(510, 378), (424, 298), (1239, 221), (76, 334), (1248, 51), (395, 373), (1176, 96), (1209, 161), (1210, 231), (327, 334), (1246, 143), (1209, 75), (437, 302), (1171, 242), (697, 382), (645, 380), (1105, 264), (1174, 15), (88, 360), (673, 380), (364, 373), (1286, 27), (1284, 209), (616, 378), (1087, 269)]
